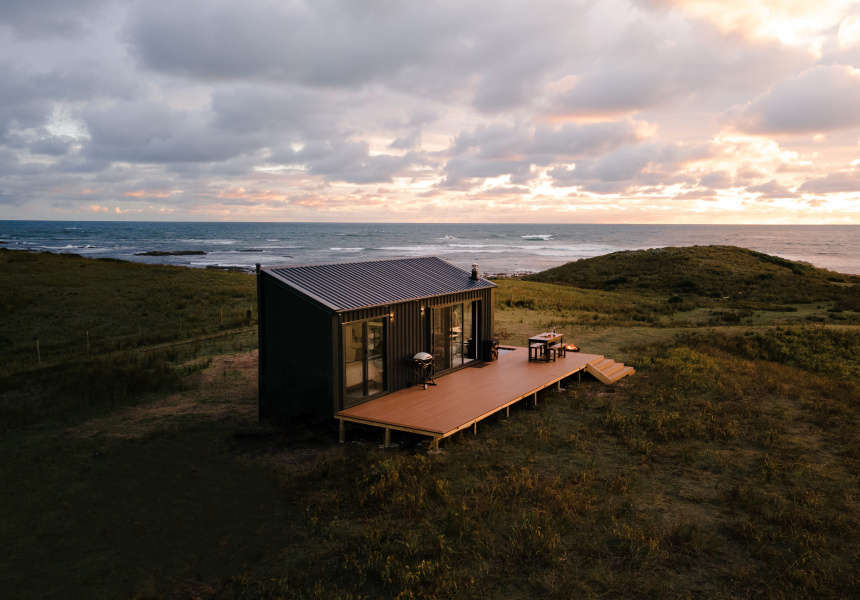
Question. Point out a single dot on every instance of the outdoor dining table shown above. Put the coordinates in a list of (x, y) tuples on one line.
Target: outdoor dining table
[(545, 339)]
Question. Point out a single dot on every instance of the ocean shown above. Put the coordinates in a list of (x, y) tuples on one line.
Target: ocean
[(496, 248)]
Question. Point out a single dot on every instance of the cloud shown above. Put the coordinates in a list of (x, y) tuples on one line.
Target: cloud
[(42, 18), (820, 99), (839, 181), (467, 172), (789, 22), (482, 102), (645, 164), (352, 162), (28, 99), (406, 142), (149, 132), (772, 190), (244, 109), (493, 142), (573, 140), (655, 64), (506, 190), (495, 54), (717, 180)]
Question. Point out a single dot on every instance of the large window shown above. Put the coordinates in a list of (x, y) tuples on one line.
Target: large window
[(454, 336), (364, 359)]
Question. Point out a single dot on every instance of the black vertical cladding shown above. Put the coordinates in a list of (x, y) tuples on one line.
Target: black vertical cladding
[(301, 342), (261, 345), (296, 355)]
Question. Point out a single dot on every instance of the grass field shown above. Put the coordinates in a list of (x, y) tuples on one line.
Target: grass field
[(728, 466)]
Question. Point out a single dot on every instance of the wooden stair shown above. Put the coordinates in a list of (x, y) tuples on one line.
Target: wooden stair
[(607, 370)]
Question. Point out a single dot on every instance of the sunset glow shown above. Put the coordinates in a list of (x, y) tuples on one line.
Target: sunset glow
[(665, 111)]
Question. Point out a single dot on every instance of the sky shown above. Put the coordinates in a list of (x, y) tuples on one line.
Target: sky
[(610, 111)]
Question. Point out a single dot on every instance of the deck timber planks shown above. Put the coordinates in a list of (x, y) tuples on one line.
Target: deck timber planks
[(462, 398)]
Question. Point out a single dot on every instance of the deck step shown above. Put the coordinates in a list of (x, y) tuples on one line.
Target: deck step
[(608, 371), (604, 364), (623, 373)]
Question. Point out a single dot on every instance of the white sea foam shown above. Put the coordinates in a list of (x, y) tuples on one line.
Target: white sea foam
[(213, 242), (497, 248)]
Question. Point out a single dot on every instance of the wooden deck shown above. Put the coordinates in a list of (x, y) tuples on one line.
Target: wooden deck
[(462, 398)]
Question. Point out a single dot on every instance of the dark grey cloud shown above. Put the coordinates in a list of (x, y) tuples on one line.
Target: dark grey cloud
[(573, 140), (645, 164), (717, 180), (149, 132), (244, 109), (493, 142), (325, 43), (506, 190), (468, 172), (840, 181), (499, 150), (772, 190), (51, 145), (434, 50), (41, 18), (352, 162), (820, 99), (28, 99), (406, 142)]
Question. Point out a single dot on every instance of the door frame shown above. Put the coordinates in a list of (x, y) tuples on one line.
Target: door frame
[(348, 401), (474, 305)]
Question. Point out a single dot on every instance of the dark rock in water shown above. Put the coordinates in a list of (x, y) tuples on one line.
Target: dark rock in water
[(231, 269), (2, 242), (173, 253)]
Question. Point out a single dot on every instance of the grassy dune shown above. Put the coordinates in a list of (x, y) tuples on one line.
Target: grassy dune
[(707, 271), (79, 333), (726, 467)]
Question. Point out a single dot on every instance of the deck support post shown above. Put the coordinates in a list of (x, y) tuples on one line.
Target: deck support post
[(558, 385), (535, 398), (387, 439), (342, 431), (436, 444), (508, 412), (579, 377), (475, 428)]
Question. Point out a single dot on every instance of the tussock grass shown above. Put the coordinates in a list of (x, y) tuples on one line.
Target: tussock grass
[(708, 474), (727, 467), (707, 271), (93, 321)]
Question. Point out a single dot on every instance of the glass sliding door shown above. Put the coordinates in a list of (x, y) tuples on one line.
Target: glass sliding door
[(364, 360), (375, 362), (454, 342), (457, 349), (441, 335), (470, 345), (353, 350)]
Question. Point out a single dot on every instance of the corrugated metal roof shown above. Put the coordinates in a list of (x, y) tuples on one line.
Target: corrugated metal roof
[(346, 286)]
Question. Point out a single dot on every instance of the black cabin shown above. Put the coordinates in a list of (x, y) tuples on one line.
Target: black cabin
[(335, 335)]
